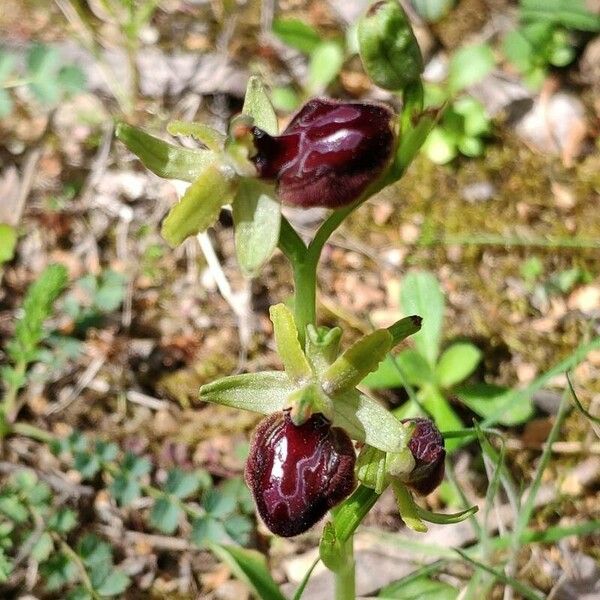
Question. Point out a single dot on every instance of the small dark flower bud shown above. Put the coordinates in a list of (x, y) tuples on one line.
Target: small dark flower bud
[(297, 473), (328, 154), (427, 447)]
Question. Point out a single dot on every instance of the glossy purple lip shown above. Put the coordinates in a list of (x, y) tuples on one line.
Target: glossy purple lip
[(297, 473), (329, 153)]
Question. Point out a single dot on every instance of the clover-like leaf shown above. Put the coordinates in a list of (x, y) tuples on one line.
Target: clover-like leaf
[(199, 207), (163, 159), (288, 345), (257, 219), (357, 362), (457, 363), (264, 392)]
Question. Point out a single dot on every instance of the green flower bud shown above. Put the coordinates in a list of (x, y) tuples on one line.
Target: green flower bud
[(388, 47)]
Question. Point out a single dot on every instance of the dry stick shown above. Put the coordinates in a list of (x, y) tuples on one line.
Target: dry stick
[(239, 301), (82, 382)]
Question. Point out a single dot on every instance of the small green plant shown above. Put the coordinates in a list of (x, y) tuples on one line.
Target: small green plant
[(46, 77), (325, 60), (439, 376), (29, 336), (465, 124), (92, 297), (34, 527)]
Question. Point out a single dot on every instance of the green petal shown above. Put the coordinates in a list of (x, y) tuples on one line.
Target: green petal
[(199, 207), (258, 106)]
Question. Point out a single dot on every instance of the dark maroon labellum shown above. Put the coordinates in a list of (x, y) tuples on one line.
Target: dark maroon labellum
[(427, 447), (297, 473), (328, 154)]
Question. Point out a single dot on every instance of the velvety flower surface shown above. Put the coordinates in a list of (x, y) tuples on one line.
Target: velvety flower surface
[(427, 447), (329, 153), (297, 473)]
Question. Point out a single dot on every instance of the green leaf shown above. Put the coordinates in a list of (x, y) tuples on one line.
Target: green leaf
[(8, 240), (206, 530), (297, 34), (163, 159), (7, 64), (136, 466), (469, 65), (110, 292), (365, 420), (37, 307), (457, 363), (421, 294), (574, 14), (72, 79), (115, 583), (407, 366), (421, 588), (165, 515), (324, 66), (443, 414), (486, 399), (87, 464), (42, 549), (6, 567), (94, 551), (57, 571), (433, 10), (440, 146), (217, 504), (251, 567), (199, 207), (363, 357), (6, 104), (63, 520), (289, 350), (13, 508), (258, 106), (79, 593), (42, 60), (125, 489), (106, 451), (239, 528), (302, 585), (284, 98), (264, 392), (257, 219), (182, 484)]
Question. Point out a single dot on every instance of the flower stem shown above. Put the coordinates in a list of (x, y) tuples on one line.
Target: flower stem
[(345, 578)]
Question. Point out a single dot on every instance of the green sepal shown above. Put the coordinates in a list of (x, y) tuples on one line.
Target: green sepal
[(214, 140), (322, 346), (257, 220), (199, 207), (294, 361), (307, 401), (365, 420), (404, 328), (258, 106), (407, 507), (163, 159), (265, 392), (370, 469), (388, 47), (357, 362)]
